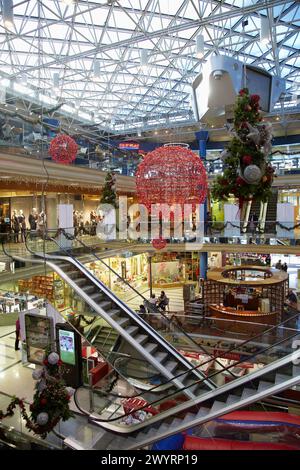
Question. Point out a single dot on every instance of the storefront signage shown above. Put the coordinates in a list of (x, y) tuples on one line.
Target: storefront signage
[(129, 146)]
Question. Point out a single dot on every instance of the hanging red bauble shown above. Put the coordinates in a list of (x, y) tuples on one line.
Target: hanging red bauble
[(63, 149), (159, 243), (171, 175)]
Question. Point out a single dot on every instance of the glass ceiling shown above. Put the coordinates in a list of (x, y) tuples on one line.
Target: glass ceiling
[(49, 36)]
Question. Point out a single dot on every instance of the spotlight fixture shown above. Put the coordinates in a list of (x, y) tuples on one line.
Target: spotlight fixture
[(265, 30), (7, 13), (96, 74), (56, 80), (200, 46), (144, 58)]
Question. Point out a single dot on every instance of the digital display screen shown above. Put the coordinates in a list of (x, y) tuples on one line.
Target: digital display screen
[(259, 84), (129, 146), (67, 347)]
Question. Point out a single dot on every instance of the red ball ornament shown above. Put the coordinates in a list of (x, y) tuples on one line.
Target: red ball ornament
[(243, 91), (254, 98), (63, 149), (248, 108), (43, 401), (247, 159), (159, 243), (171, 175), (240, 181)]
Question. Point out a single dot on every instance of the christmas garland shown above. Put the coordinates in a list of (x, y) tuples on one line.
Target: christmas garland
[(247, 174), (50, 402)]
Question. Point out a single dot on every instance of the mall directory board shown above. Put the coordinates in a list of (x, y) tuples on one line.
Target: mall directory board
[(39, 335)]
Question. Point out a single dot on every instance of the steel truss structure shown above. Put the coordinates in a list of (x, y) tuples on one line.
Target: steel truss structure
[(50, 37)]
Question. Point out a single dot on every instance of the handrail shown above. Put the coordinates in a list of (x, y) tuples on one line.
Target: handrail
[(188, 386), (189, 369), (141, 295), (227, 352)]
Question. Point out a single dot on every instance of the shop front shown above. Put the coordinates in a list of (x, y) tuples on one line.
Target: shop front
[(174, 269)]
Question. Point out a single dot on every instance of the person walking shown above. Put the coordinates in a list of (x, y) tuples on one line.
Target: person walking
[(163, 301), (17, 335)]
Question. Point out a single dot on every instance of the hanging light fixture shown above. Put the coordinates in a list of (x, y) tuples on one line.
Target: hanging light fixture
[(200, 46), (265, 30), (56, 81), (96, 74), (7, 13), (144, 58)]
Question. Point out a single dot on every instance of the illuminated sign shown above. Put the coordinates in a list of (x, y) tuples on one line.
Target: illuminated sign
[(129, 146), (67, 347)]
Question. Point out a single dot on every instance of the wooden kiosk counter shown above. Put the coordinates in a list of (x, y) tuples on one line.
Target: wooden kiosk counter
[(250, 293)]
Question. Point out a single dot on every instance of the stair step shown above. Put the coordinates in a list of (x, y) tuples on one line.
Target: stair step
[(296, 371), (247, 392), (132, 330), (81, 282), (113, 312), (188, 417), (202, 413), (104, 304), (217, 406), (88, 289), (281, 378), (161, 356), (151, 347), (122, 321), (170, 365), (141, 339), (232, 399), (264, 386), (73, 274)]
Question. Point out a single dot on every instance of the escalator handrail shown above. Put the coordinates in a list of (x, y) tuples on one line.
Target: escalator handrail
[(230, 350), (169, 320), (118, 301), (190, 403)]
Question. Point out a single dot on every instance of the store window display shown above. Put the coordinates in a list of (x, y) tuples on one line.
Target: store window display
[(15, 226), (41, 223), (22, 223), (32, 219)]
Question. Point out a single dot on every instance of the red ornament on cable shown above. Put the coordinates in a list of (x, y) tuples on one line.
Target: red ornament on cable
[(171, 175), (159, 243), (63, 149)]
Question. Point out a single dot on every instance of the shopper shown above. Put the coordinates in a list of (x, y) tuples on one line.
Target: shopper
[(152, 303), (163, 301), (17, 335), (284, 267), (278, 265)]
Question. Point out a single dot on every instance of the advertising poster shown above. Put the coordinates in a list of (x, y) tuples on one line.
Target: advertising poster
[(39, 335), (67, 347)]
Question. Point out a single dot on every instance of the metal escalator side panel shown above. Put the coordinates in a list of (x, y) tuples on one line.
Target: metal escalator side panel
[(114, 324), (224, 390), (142, 324)]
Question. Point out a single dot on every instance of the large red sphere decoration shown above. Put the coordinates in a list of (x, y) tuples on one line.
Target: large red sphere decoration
[(63, 149), (171, 175)]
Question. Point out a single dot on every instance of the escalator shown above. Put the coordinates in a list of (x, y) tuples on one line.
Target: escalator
[(140, 336), (196, 399)]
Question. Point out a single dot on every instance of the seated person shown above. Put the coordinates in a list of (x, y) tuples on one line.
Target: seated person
[(292, 297)]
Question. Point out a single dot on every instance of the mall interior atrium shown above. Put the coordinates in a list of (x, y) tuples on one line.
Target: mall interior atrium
[(149, 225)]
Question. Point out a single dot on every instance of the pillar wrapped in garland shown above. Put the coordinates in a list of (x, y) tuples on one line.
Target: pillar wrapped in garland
[(248, 174)]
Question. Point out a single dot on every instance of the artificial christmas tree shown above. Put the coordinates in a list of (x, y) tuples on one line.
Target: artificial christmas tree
[(109, 195), (248, 174)]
